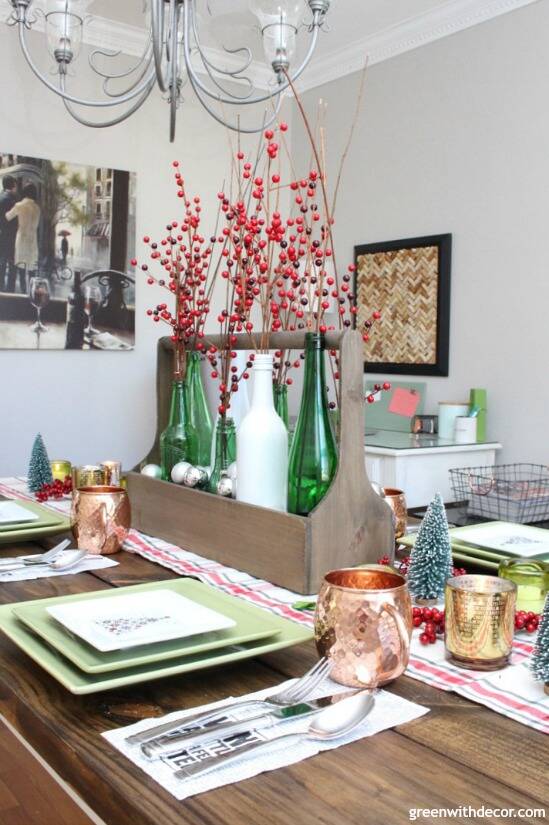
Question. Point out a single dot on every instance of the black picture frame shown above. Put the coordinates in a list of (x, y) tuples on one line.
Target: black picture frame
[(444, 244)]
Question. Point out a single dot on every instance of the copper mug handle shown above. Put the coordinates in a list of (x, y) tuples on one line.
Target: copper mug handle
[(402, 631)]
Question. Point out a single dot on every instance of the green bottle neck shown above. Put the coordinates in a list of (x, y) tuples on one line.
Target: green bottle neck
[(193, 366), (225, 440), (177, 404), (314, 381)]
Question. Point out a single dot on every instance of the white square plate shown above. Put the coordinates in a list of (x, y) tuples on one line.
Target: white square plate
[(139, 619), (506, 537), (12, 513)]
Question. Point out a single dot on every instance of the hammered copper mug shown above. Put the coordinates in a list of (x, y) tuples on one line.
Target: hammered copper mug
[(363, 623), (101, 518)]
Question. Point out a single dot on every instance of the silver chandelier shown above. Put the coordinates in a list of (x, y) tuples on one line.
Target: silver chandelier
[(173, 53)]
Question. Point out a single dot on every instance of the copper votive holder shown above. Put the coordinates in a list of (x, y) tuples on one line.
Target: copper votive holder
[(397, 502), (363, 623), (60, 469), (101, 518), (480, 621)]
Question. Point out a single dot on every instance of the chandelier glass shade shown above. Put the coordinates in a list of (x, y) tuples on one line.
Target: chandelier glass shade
[(173, 55)]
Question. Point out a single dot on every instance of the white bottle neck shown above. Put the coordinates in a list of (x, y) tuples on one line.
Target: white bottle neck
[(263, 381)]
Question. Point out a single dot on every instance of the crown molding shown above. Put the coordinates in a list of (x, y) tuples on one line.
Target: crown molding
[(450, 18)]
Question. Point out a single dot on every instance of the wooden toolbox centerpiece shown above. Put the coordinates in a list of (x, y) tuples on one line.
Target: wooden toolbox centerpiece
[(352, 525)]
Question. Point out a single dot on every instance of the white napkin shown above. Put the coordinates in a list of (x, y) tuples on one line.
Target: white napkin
[(389, 710), (31, 572)]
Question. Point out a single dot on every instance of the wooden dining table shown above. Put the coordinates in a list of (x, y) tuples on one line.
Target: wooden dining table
[(459, 754)]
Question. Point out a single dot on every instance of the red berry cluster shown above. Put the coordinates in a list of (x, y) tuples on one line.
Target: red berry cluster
[(528, 621), (285, 267), (56, 489), (432, 621)]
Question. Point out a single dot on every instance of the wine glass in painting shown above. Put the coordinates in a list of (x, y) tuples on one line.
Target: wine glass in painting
[(92, 301), (39, 293)]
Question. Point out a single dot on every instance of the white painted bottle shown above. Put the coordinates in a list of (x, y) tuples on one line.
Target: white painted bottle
[(262, 445)]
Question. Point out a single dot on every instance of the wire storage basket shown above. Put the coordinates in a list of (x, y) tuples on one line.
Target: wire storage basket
[(506, 492)]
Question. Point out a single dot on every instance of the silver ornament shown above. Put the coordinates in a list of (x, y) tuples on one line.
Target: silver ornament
[(179, 470), (225, 487), (151, 470), (195, 477)]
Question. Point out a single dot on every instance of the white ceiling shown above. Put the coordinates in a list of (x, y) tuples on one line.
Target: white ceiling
[(358, 29)]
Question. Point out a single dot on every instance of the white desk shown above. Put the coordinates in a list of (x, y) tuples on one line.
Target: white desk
[(420, 464)]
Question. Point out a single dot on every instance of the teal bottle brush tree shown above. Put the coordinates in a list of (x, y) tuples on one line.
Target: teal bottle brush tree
[(39, 472), (540, 657), (431, 556)]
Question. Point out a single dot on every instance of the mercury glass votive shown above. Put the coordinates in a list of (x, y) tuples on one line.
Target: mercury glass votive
[(531, 577), (60, 469), (480, 621), (89, 475), (112, 471)]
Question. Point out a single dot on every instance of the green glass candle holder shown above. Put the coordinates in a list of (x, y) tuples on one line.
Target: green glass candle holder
[(532, 579)]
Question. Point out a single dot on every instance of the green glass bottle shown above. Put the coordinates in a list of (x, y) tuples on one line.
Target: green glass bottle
[(280, 392), (313, 454), (225, 450), (198, 420), (173, 441)]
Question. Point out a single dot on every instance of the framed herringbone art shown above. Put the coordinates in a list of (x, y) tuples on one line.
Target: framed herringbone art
[(408, 281)]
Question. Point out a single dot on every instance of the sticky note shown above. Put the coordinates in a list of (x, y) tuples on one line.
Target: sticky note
[(404, 402)]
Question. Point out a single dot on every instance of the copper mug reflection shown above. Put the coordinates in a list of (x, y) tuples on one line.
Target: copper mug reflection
[(397, 502), (363, 623), (101, 518)]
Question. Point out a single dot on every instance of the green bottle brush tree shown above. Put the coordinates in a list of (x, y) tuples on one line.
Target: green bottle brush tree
[(39, 472), (431, 556), (540, 657)]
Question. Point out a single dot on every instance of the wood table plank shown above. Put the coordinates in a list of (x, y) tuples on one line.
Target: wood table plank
[(28, 793), (460, 753)]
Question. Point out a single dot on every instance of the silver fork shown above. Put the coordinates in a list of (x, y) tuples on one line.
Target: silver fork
[(292, 695), (38, 558)]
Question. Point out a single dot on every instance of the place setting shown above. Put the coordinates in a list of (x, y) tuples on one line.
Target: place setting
[(228, 741)]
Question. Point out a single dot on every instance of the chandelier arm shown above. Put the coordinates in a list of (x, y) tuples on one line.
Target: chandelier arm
[(124, 98), (157, 34), (207, 62), (144, 59), (114, 121), (197, 83), (243, 98), (236, 127), (174, 67), (109, 78)]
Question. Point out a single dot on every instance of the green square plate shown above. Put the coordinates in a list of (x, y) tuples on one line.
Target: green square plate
[(48, 524), (288, 633), (249, 627)]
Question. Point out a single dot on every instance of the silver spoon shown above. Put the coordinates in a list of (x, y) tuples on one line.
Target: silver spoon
[(67, 560), (332, 723)]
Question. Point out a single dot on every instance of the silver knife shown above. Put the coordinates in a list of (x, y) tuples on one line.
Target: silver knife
[(164, 746)]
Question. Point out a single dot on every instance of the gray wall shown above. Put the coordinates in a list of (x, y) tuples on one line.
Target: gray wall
[(454, 137)]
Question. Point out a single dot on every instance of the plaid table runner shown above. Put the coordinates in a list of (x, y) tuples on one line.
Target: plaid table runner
[(511, 691)]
